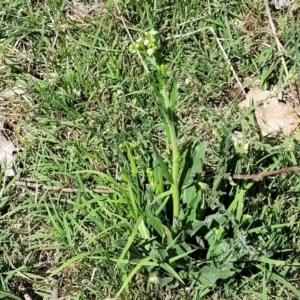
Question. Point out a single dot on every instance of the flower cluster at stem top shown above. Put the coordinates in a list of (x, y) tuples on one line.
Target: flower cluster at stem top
[(145, 44)]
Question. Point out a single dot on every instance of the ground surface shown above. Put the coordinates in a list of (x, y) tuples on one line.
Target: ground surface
[(81, 109)]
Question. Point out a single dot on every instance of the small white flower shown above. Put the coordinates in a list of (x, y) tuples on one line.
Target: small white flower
[(146, 42), (203, 186), (139, 40), (240, 144), (150, 51), (119, 92), (153, 32), (77, 93)]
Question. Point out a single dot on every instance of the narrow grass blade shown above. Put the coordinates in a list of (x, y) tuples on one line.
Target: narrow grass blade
[(130, 240), (142, 263), (174, 93), (164, 167), (177, 257), (161, 196), (55, 220), (282, 281), (6, 295), (276, 226), (134, 169), (171, 271), (276, 262), (237, 204), (264, 284), (69, 262)]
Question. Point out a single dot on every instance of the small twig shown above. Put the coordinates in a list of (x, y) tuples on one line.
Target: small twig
[(26, 296), (101, 169), (129, 35), (93, 275), (60, 188), (267, 174), (57, 189), (279, 45), (55, 289), (258, 176)]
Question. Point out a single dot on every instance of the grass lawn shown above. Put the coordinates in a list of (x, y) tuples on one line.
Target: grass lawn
[(129, 182)]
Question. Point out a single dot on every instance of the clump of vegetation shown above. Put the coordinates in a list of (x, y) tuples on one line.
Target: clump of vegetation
[(141, 184)]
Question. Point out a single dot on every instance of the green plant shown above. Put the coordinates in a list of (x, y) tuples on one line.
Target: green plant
[(90, 104), (180, 233)]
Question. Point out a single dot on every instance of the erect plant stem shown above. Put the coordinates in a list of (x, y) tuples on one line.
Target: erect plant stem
[(175, 156), (276, 38), (175, 170)]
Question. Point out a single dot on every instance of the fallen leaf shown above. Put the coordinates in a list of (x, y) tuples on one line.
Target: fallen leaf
[(7, 94), (273, 116), (7, 149), (281, 3)]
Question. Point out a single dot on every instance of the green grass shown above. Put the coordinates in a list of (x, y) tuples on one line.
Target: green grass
[(93, 117)]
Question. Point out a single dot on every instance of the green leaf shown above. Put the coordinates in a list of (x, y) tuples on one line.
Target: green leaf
[(162, 206), (70, 262), (165, 119), (238, 202), (193, 226), (177, 257), (195, 202), (174, 93), (142, 263), (161, 196), (163, 166), (187, 163), (264, 284), (159, 252), (135, 256), (281, 280), (143, 230), (156, 279), (285, 283), (198, 157), (134, 169), (167, 234), (130, 239), (134, 196), (171, 271), (272, 227), (276, 262), (210, 275), (155, 222), (117, 189), (6, 295)]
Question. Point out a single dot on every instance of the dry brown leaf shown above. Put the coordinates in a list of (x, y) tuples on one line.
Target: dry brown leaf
[(10, 93), (7, 149), (79, 10), (273, 116), (279, 4)]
